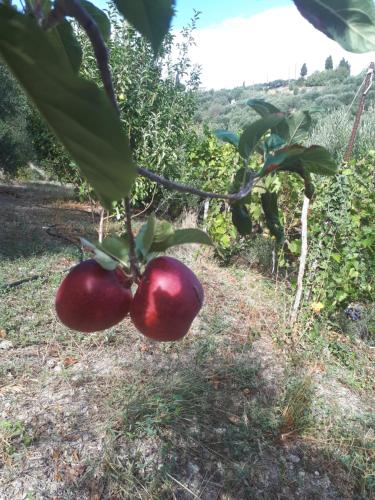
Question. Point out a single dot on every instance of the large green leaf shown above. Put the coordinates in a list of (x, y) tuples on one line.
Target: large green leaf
[(255, 131), (241, 219), (227, 136), (351, 23), (299, 124), (271, 213), (264, 108), (102, 257), (67, 44), (275, 161), (151, 18), (294, 158), (241, 178), (273, 142), (145, 236), (181, 237), (318, 160), (78, 112), (100, 18)]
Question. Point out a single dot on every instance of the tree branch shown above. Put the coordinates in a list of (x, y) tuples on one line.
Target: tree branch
[(183, 188), (74, 9)]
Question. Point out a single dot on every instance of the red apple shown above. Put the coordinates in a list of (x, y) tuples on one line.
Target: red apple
[(167, 300), (91, 298)]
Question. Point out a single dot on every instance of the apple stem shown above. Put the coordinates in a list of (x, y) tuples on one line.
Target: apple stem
[(134, 267)]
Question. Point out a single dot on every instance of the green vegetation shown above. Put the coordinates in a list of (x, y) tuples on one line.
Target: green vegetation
[(15, 144)]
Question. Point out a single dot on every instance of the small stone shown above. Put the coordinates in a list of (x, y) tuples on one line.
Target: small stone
[(317, 473), (51, 363), (294, 459), (6, 344)]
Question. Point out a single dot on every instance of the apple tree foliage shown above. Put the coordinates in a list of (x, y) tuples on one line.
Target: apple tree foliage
[(42, 51)]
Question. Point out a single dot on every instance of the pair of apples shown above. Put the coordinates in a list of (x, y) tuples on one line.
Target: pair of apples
[(168, 298)]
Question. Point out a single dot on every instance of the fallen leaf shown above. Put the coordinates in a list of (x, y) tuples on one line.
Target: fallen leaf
[(70, 361), (234, 419), (3, 334)]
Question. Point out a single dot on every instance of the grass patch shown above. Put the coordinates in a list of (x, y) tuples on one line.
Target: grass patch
[(181, 429)]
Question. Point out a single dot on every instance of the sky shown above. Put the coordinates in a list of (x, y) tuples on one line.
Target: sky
[(255, 41)]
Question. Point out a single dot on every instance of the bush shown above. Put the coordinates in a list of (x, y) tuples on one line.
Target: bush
[(333, 132), (15, 145), (341, 250)]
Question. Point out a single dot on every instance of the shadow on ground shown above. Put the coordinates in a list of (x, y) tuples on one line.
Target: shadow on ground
[(27, 210)]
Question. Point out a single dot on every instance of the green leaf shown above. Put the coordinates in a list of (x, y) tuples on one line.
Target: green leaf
[(162, 231), (262, 107), (274, 142), (66, 42), (351, 23), (184, 236), (275, 161), (116, 247), (151, 18), (241, 219), (241, 178), (255, 131), (318, 160), (301, 160), (271, 212), (227, 136), (299, 125), (181, 237), (101, 257), (145, 236), (100, 18), (78, 112)]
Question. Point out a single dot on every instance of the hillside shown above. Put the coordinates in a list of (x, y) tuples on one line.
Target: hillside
[(321, 93)]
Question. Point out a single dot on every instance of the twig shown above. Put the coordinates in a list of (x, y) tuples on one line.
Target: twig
[(302, 262), (148, 206), (35, 277), (101, 222), (183, 188), (65, 238), (134, 269)]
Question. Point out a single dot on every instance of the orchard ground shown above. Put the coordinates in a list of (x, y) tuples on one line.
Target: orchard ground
[(239, 409)]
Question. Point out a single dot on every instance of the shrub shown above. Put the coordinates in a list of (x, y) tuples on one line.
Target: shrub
[(341, 250), (15, 145)]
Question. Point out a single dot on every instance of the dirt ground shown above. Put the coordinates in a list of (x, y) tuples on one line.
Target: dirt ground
[(234, 411)]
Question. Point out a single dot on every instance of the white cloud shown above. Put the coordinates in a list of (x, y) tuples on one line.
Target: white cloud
[(265, 47)]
